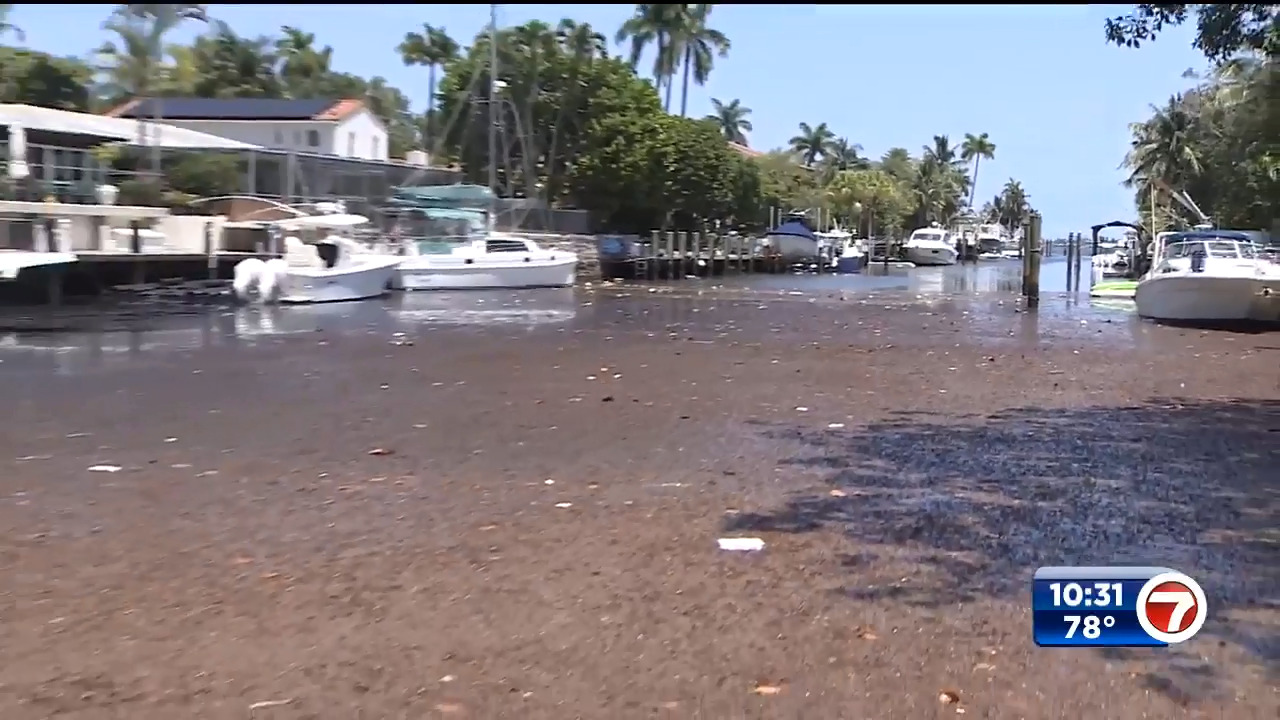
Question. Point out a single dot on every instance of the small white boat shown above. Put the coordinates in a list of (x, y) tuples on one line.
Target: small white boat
[(1209, 276), (13, 262), (931, 246), (991, 238), (495, 260), (792, 241), (334, 269)]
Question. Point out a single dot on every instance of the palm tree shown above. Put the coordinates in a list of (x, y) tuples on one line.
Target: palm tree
[(898, 163), (812, 142), (1163, 150), (135, 66), (432, 48), (974, 149), (732, 119), (698, 44), (657, 25), (580, 41), (302, 66), (226, 65), (941, 152), (1013, 205), (7, 27)]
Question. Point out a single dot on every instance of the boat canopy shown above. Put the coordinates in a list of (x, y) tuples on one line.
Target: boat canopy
[(794, 228), (441, 196)]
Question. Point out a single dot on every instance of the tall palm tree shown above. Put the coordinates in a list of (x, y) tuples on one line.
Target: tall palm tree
[(135, 65), (974, 149), (698, 44), (732, 119), (7, 27), (432, 48), (657, 25), (812, 143)]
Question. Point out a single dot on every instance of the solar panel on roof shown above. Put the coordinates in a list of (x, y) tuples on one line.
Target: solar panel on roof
[(229, 108)]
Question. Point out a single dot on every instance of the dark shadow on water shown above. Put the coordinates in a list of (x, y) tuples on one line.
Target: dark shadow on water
[(981, 501)]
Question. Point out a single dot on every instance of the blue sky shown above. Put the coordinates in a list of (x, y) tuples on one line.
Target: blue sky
[(1054, 97)]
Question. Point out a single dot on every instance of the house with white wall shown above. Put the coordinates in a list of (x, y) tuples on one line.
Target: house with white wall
[(343, 128)]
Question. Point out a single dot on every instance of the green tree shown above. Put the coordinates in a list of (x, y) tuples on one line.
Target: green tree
[(1222, 30), (304, 69), (812, 142), (698, 44), (974, 149), (732, 119), (432, 48), (134, 62), (657, 25), (36, 78)]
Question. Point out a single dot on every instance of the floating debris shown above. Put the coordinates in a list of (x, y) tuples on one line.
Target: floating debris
[(741, 544), (105, 468)]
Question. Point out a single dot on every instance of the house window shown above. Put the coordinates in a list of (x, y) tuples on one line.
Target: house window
[(313, 138), (351, 144), (375, 154)]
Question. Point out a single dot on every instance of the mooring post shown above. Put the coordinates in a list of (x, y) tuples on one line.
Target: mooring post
[(668, 253), (1033, 278), (210, 252), (1071, 239), (696, 238)]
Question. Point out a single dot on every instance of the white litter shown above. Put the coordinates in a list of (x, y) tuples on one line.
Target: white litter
[(741, 544), (802, 409), (104, 468), (563, 505), (835, 426)]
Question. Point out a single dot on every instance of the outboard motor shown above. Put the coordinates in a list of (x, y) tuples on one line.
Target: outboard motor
[(1198, 257)]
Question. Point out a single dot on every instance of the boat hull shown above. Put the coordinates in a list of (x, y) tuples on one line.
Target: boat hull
[(792, 248), (13, 262), (1195, 297), (371, 278), (929, 255), (452, 274)]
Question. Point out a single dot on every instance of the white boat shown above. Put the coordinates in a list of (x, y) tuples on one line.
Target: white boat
[(333, 268), (991, 238), (930, 246), (13, 262), (495, 260), (447, 243), (1209, 276), (792, 241)]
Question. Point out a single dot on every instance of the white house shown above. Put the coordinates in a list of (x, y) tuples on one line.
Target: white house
[(345, 128)]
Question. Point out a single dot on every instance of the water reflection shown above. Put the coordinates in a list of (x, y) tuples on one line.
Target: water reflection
[(140, 334), (988, 276), (551, 306)]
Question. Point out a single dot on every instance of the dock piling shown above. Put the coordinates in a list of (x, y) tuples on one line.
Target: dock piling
[(1031, 281)]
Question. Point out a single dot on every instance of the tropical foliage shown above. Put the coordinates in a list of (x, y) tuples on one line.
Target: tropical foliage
[(1217, 141)]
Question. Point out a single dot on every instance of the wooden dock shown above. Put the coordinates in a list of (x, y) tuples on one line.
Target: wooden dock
[(678, 255)]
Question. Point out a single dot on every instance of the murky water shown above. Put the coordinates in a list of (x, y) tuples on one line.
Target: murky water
[(977, 301)]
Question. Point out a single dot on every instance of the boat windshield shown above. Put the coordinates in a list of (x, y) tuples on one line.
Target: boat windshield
[(442, 229), (1217, 248), (926, 235)]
